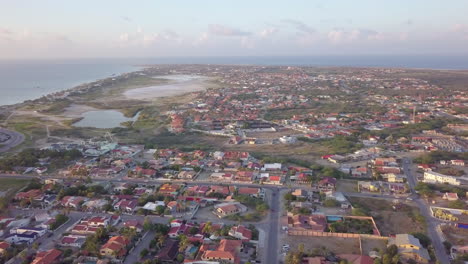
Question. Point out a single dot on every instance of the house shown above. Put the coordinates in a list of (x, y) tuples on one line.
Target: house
[(241, 232), (394, 178), (251, 191), (34, 194), (97, 221), (434, 177), (47, 257), (115, 247), (72, 241), (3, 247), (28, 230), (227, 251), (225, 209), (133, 224), (356, 259), (315, 222), (224, 190), (169, 252), (300, 193), (127, 206), (450, 196), (274, 179), (187, 175), (458, 162), (73, 201), (26, 238), (409, 247), (149, 173), (327, 183)]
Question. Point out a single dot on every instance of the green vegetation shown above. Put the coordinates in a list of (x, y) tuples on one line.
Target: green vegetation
[(390, 256), (457, 205), (31, 157), (331, 203), (355, 226), (436, 156), (428, 190), (337, 144), (60, 219)]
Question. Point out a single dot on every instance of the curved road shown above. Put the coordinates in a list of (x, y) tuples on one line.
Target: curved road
[(14, 140)]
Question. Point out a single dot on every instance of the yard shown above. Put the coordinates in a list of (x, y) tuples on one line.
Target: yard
[(402, 219)]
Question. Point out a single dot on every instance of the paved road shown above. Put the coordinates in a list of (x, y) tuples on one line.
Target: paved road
[(134, 255), (432, 223), (271, 251), (15, 139)]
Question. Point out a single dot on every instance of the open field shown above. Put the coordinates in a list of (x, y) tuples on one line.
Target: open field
[(455, 235), (405, 219), (333, 244), (370, 244), (346, 186), (7, 184)]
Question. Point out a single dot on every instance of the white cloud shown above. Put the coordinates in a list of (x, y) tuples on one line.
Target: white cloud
[(300, 26), (220, 30), (268, 32)]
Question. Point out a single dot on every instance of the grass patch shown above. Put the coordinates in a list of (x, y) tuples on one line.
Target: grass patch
[(12, 184)]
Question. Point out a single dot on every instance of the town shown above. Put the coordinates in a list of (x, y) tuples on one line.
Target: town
[(274, 165)]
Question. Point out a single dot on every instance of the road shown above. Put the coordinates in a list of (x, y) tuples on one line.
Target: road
[(271, 251), (271, 225), (145, 241), (15, 139), (432, 223)]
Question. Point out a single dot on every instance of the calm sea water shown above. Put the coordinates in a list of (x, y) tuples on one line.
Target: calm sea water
[(24, 80)]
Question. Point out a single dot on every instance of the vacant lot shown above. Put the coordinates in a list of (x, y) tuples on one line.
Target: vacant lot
[(455, 235), (403, 219), (12, 184), (346, 186), (370, 244), (333, 244)]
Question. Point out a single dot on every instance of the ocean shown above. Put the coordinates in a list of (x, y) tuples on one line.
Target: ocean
[(25, 80)]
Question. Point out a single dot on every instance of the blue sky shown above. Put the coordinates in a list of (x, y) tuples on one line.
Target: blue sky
[(145, 28)]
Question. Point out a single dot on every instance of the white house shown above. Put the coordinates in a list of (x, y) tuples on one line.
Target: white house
[(434, 177)]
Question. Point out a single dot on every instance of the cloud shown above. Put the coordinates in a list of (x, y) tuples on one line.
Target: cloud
[(140, 38), (300, 26), (220, 30), (126, 18), (337, 36), (268, 32), (4, 31), (408, 22), (461, 29)]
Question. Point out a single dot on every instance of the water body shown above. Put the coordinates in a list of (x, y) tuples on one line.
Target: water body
[(25, 80), (103, 119), (178, 84)]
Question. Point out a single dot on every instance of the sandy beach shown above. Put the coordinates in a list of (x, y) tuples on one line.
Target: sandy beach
[(176, 86)]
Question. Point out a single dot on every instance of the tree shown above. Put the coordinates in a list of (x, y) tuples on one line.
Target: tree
[(180, 258), (144, 253), (183, 243), (423, 238), (147, 224), (160, 209), (207, 228)]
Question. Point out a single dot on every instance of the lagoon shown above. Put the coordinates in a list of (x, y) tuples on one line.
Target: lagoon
[(103, 119)]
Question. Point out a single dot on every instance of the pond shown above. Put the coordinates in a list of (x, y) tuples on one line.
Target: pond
[(103, 119)]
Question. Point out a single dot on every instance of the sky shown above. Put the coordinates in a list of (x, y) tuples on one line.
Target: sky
[(32, 29)]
